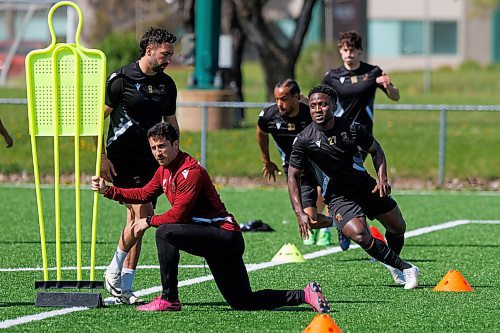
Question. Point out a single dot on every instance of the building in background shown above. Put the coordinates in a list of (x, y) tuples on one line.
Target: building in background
[(412, 34), (398, 34)]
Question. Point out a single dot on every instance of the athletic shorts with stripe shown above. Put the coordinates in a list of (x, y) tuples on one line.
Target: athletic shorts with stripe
[(344, 208)]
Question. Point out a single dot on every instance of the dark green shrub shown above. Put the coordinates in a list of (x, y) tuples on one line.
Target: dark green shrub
[(469, 66), (120, 49)]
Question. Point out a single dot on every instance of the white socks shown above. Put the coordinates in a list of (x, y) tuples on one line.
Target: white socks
[(127, 274), (127, 279), (116, 264)]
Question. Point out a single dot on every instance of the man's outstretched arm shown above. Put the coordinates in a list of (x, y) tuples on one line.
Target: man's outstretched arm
[(269, 167), (303, 219)]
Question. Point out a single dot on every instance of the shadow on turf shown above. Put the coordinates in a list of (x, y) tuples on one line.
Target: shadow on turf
[(453, 245), (225, 307), (7, 304), (362, 302), (367, 259)]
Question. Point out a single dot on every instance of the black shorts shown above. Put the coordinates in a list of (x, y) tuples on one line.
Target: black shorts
[(308, 188), (132, 172), (343, 208)]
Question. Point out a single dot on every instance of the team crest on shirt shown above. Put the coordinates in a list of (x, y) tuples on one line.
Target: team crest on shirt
[(344, 136), (185, 173), (365, 77), (342, 79), (150, 89), (339, 217), (278, 125), (164, 184), (138, 86), (162, 88), (291, 127)]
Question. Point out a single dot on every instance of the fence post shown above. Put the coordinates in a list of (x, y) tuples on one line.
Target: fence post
[(442, 145), (204, 112)]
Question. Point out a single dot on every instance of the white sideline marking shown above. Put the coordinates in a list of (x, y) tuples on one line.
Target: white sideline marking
[(413, 233), (40, 316)]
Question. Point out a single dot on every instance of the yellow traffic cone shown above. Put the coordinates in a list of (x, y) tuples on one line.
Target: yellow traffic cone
[(288, 253)]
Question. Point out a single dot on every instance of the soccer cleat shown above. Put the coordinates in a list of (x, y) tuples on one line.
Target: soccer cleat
[(411, 277), (344, 241), (312, 238), (397, 274), (324, 237), (113, 282), (314, 297), (159, 304), (128, 297)]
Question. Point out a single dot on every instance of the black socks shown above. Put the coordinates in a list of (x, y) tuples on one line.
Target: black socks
[(380, 251)]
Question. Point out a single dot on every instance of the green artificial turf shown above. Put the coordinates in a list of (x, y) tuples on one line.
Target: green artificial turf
[(361, 293)]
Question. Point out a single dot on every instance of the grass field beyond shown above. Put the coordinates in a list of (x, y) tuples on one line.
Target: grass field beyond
[(409, 138), (361, 293)]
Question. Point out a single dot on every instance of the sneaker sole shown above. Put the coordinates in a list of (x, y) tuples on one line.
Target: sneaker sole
[(324, 306), (136, 302)]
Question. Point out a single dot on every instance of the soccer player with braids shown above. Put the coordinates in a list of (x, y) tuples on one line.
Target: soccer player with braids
[(138, 96), (352, 195), (283, 121)]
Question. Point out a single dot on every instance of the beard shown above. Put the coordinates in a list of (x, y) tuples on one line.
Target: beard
[(156, 67)]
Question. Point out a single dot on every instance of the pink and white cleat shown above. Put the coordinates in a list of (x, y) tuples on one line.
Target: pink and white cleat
[(159, 304), (315, 298)]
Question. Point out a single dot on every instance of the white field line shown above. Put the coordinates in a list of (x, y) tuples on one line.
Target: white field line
[(413, 233)]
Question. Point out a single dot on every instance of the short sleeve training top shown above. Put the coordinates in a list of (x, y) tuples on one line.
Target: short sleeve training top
[(139, 101)]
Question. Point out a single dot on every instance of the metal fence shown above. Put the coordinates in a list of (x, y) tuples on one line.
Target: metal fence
[(442, 108)]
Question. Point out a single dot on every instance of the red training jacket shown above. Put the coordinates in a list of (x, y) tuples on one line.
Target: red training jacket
[(189, 190)]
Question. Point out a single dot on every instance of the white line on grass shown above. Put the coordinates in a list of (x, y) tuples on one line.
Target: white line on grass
[(413, 233), (40, 316)]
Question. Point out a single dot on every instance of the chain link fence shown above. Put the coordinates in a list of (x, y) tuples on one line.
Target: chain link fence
[(441, 108)]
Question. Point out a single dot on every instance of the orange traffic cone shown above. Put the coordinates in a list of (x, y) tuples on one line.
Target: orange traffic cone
[(377, 234), (322, 323), (453, 281)]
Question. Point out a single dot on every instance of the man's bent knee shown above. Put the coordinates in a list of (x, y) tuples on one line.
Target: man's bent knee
[(364, 240)]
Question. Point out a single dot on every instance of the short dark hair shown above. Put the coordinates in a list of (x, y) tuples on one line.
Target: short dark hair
[(350, 39), (155, 36), (164, 130), (289, 83), (324, 89)]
